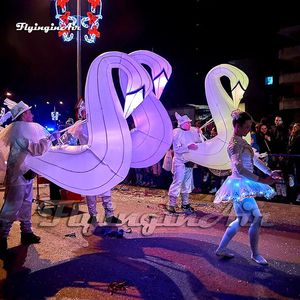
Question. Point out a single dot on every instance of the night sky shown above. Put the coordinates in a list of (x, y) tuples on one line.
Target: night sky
[(193, 35)]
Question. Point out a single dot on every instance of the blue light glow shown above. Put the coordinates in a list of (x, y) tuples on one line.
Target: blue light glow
[(269, 80), (50, 129)]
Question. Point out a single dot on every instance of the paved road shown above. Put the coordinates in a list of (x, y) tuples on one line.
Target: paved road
[(163, 257)]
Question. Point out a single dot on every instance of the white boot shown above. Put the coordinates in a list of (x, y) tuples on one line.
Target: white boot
[(254, 237), (230, 232)]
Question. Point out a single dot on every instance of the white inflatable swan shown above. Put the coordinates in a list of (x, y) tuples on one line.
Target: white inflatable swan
[(213, 153)]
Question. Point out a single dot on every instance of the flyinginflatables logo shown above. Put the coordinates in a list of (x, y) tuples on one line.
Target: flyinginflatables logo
[(36, 27)]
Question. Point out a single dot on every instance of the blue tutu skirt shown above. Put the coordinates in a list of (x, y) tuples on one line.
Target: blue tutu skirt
[(237, 188)]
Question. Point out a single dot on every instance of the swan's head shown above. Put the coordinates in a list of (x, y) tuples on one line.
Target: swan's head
[(133, 100), (159, 83), (238, 92)]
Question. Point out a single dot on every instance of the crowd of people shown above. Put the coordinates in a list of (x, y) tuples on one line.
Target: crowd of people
[(277, 145)]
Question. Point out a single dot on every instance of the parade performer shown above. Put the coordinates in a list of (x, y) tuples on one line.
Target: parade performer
[(16, 143), (243, 186), (80, 131), (185, 138)]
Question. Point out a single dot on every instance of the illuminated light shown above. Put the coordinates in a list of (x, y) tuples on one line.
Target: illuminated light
[(90, 22), (55, 115), (8, 94), (60, 102), (50, 129), (237, 184), (269, 80)]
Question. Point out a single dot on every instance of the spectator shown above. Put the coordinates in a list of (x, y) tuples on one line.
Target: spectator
[(294, 162), (264, 139)]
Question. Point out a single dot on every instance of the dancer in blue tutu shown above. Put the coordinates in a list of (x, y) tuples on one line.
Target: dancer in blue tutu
[(243, 186)]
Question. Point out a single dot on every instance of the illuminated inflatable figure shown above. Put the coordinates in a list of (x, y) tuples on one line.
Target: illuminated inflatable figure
[(213, 153), (152, 135), (104, 162)]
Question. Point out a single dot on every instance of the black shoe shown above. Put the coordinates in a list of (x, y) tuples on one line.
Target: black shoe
[(171, 209), (3, 245), (113, 220), (188, 209), (92, 220), (28, 238)]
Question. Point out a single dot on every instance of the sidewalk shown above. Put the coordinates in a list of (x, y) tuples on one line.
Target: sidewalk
[(160, 256)]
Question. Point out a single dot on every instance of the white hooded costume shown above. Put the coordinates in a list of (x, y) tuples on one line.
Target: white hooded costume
[(182, 175)]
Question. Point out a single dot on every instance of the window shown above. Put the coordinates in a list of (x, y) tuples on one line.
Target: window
[(269, 80)]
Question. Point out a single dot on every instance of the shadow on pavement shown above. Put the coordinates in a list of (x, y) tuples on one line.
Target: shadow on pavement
[(153, 275)]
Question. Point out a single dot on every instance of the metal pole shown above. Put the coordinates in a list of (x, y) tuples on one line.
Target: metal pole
[(79, 88)]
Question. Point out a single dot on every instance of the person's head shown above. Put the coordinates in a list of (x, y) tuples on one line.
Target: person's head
[(241, 122), (19, 111), (26, 116), (264, 129), (278, 121), (69, 122), (213, 132), (253, 127), (184, 122), (81, 110), (295, 129), (198, 123), (186, 125)]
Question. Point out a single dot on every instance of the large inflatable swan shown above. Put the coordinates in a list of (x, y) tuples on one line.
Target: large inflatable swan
[(97, 167), (152, 135), (213, 153)]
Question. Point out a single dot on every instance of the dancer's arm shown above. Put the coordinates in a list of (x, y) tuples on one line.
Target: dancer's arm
[(261, 165)]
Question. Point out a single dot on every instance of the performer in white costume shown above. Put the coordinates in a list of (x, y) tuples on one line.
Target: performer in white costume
[(16, 138), (242, 186), (79, 130), (185, 138)]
